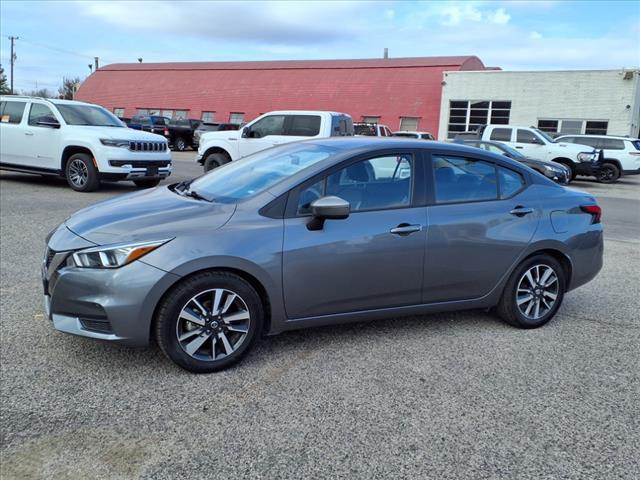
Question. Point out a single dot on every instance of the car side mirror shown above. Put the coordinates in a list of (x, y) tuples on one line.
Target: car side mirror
[(328, 208), (245, 132), (48, 123)]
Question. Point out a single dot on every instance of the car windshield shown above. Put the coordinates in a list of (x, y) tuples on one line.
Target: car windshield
[(91, 115), (544, 135), (255, 173)]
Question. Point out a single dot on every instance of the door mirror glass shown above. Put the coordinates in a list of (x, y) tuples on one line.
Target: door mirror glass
[(246, 131), (328, 208)]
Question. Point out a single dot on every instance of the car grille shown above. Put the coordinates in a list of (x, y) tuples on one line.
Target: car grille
[(140, 163), (147, 146), (96, 325)]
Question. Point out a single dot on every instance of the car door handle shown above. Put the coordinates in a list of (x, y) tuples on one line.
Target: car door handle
[(521, 211), (519, 147), (28, 133), (405, 229)]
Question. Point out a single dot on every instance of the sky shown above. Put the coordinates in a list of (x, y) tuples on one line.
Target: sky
[(58, 39)]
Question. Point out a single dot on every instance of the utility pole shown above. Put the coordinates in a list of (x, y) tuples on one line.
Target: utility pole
[(13, 60)]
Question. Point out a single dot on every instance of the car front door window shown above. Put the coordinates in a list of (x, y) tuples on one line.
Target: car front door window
[(40, 113)]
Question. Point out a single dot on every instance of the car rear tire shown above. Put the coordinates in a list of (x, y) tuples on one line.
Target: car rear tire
[(608, 173), (214, 160), (150, 183), (209, 321), (180, 144), (81, 173), (533, 293)]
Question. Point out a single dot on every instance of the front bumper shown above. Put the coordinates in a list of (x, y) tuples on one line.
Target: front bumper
[(590, 169), (106, 304)]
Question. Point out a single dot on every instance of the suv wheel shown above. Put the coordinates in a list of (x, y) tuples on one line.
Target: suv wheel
[(148, 183), (180, 144), (214, 160), (608, 173), (81, 173), (209, 321), (533, 293)]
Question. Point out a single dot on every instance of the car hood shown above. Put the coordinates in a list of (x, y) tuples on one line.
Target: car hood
[(147, 215), (220, 135), (117, 133), (541, 163)]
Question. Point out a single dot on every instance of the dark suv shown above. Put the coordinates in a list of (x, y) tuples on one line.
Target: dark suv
[(151, 123)]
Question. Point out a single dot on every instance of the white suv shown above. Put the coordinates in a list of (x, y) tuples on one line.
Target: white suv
[(82, 142), (621, 154)]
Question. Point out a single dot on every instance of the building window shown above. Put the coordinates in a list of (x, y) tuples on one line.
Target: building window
[(143, 112), (468, 115), (371, 119), (573, 126), (236, 117), (596, 128), (167, 113), (181, 114), (118, 112), (208, 116), (409, 123)]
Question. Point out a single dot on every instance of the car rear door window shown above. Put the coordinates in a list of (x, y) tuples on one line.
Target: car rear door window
[(459, 179), (510, 182), (588, 141), (303, 125), (12, 112), (501, 134), (611, 144)]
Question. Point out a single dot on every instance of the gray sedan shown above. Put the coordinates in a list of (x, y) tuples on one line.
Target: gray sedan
[(315, 233)]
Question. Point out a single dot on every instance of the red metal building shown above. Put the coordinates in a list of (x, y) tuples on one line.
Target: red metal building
[(403, 93)]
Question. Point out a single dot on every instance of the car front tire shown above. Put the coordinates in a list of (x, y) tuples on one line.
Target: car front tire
[(81, 173), (533, 293), (608, 173), (180, 144), (209, 321), (214, 160)]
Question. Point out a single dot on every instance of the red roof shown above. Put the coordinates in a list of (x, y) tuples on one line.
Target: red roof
[(386, 88)]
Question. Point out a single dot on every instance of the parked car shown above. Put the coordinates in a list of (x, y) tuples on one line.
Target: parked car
[(81, 142), (315, 233), (536, 144), (268, 130), (211, 127), (371, 130), (621, 154), (181, 133), (552, 170), (411, 134), (150, 123)]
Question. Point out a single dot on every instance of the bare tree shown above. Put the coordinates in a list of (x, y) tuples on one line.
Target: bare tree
[(4, 87), (68, 88)]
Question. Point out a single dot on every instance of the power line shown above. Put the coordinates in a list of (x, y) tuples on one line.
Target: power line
[(55, 49)]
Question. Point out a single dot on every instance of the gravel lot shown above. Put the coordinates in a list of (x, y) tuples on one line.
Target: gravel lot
[(457, 395)]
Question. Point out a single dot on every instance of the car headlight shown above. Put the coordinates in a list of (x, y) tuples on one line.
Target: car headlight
[(587, 156), (113, 256), (108, 142), (552, 172)]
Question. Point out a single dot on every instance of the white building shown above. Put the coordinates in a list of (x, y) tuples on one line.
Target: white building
[(575, 101)]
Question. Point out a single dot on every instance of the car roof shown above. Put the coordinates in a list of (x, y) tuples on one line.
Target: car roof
[(412, 132), (582, 135), (55, 101)]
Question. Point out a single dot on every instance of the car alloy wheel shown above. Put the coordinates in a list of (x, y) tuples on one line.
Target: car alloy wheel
[(537, 291), (213, 324), (78, 173)]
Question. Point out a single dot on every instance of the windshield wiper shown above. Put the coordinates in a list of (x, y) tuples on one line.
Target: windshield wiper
[(183, 189)]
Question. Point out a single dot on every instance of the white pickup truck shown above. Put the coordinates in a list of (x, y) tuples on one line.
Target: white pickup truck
[(268, 130), (536, 144)]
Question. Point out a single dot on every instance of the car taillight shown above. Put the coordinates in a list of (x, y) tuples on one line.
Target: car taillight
[(594, 210), (166, 132)]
